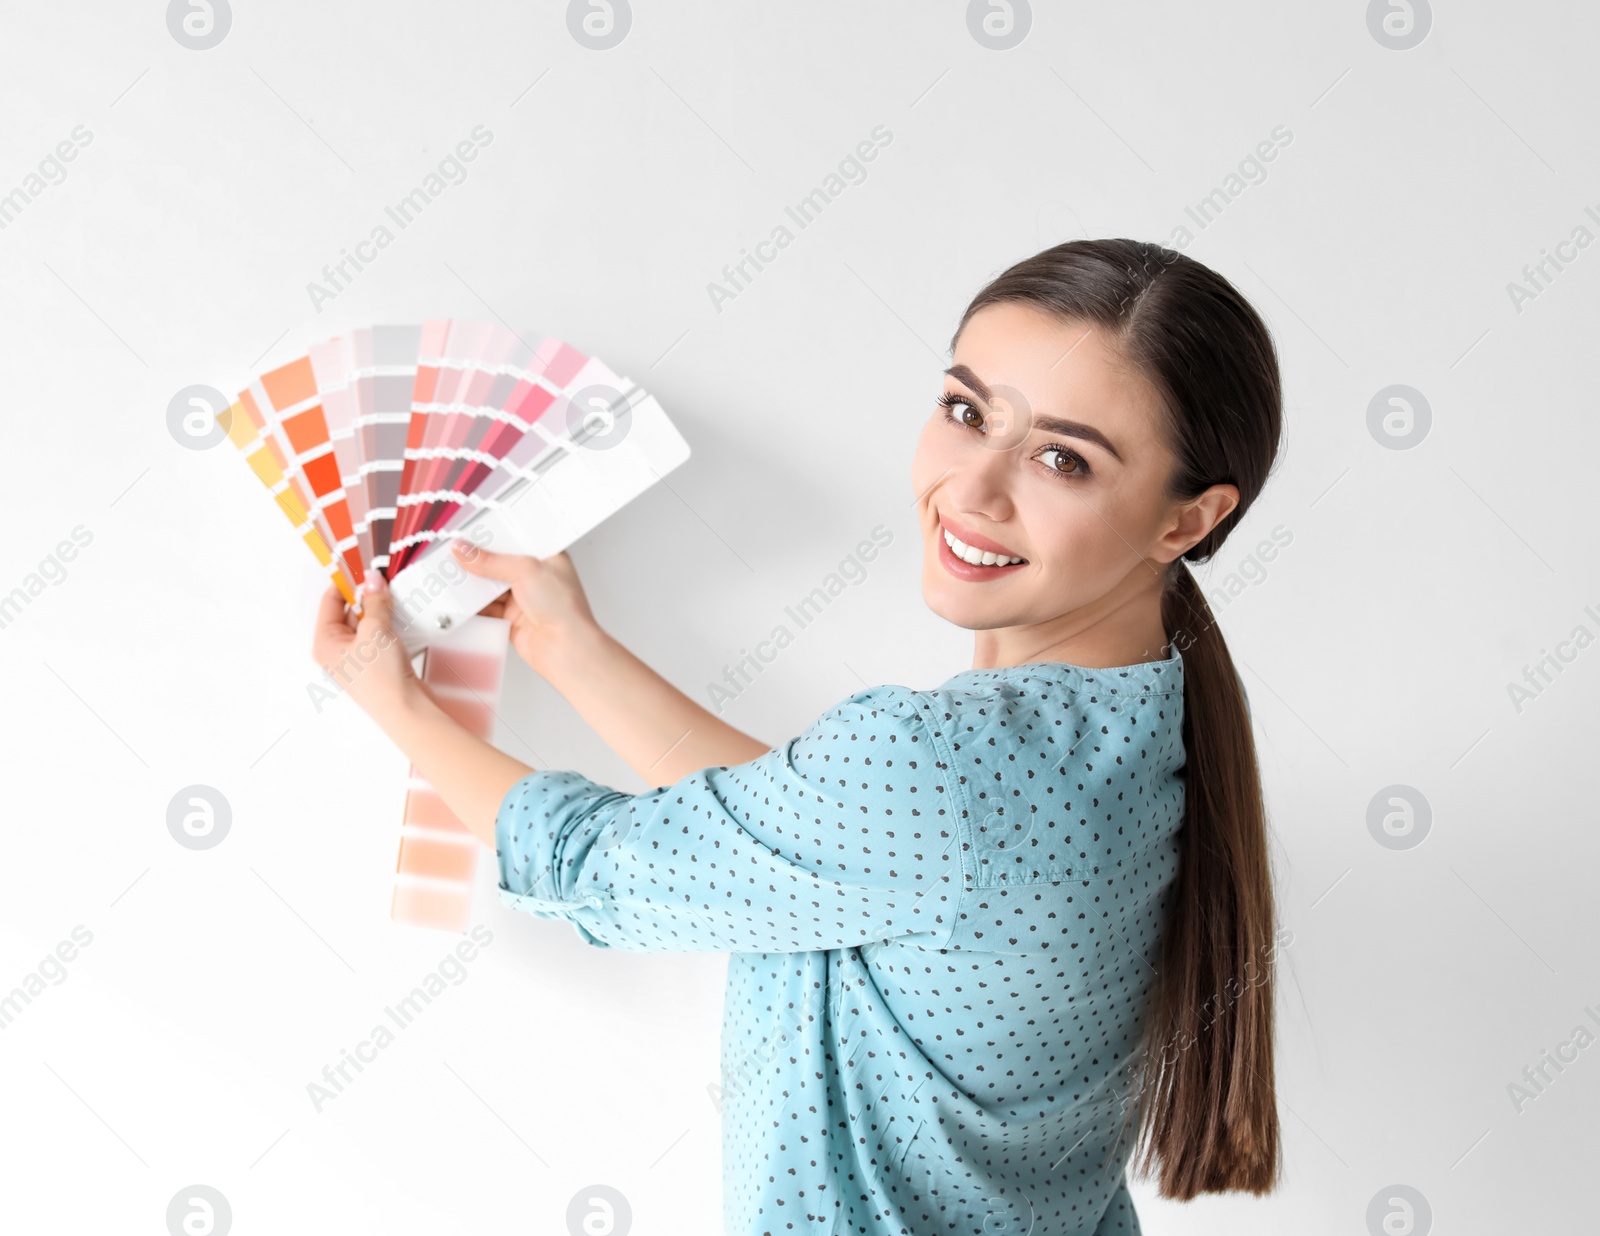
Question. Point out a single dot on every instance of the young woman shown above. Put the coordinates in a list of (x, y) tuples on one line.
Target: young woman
[(984, 938)]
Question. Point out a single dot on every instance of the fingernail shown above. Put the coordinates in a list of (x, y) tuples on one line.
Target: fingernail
[(458, 546), (374, 582)]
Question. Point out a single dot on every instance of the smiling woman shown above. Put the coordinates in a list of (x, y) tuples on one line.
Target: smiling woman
[(1113, 409), (978, 930)]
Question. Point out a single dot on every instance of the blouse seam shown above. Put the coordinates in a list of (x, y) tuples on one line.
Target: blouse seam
[(956, 799), (1142, 695)]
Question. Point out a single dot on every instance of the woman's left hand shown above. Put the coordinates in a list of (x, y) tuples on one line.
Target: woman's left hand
[(366, 658)]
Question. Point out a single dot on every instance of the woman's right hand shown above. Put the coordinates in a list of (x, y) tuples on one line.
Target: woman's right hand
[(661, 733), (546, 606)]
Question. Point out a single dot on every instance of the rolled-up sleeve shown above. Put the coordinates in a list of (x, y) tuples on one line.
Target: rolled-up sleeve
[(843, 836)]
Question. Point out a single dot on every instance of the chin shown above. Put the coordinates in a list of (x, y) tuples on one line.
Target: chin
[(967, 612)]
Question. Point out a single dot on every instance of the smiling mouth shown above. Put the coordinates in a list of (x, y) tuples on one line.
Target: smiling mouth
[(977, 557)]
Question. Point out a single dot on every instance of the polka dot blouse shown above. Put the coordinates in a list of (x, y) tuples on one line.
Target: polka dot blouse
[(940, 908)]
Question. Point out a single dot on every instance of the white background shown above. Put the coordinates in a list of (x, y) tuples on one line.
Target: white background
[(1376, 648)]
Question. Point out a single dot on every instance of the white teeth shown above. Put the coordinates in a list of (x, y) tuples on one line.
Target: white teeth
[(978, 557)]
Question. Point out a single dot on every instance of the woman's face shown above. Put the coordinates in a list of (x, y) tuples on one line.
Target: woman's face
[(1053, 456)]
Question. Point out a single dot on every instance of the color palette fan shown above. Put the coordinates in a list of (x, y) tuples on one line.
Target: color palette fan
[(383, 444)]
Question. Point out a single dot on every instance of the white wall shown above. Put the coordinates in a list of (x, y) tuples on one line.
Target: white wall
[(1377, 647)]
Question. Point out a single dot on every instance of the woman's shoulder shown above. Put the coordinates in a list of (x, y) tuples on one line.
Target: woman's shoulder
[(1058, 681), (887, 712), (1009, 709), (1059, 678), (1006, 701)]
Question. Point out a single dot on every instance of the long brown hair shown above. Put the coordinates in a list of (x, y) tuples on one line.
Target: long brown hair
[(1204, 1098)]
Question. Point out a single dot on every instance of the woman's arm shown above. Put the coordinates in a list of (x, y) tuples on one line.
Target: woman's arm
[(659, 731), (738, 859), (472, 776)]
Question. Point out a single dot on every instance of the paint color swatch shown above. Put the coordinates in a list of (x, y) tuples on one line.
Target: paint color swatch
[(247, 430), (475, 403), (382, 444), (438, 860)]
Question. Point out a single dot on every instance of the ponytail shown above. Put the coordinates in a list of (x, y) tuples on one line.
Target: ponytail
[(1206, 1106), (1203, 1099)]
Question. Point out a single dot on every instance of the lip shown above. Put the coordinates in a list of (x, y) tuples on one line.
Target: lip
[(965, 570), (974, 540)]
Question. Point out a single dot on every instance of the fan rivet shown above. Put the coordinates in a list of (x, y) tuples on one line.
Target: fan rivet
[(444, 622)]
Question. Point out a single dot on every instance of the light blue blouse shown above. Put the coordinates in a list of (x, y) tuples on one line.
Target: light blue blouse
[(942, 908)]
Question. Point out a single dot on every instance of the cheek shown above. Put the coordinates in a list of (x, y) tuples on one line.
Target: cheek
[(1095, 532), (931, 459), (1083, 530)]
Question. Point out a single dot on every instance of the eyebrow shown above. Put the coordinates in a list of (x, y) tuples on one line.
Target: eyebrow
[(1050, 424)]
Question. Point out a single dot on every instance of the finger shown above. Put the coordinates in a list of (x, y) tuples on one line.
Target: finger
[(489, 565), (331, 630), (377, 610), (330, 612)]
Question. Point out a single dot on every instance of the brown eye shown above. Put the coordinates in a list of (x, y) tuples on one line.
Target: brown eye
[(1067, 463), (948, 402)]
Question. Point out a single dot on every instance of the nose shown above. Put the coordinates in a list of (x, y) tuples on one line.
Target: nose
[(979, 485)]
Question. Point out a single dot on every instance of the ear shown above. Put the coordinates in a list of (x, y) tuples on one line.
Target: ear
[(1194, 519)]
